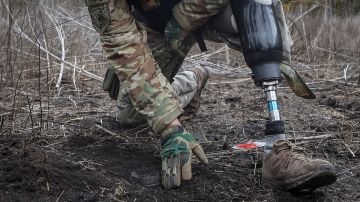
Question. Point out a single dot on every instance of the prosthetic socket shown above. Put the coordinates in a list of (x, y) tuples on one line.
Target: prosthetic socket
[(256, 25)]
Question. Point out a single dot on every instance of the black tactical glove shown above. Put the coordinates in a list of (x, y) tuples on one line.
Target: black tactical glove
[(111, 83)]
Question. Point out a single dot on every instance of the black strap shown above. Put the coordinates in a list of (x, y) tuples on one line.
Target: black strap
[(200, 40), (275, 127)]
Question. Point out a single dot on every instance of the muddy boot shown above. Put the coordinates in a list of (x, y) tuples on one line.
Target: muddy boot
[(202, 75), (289, 171)]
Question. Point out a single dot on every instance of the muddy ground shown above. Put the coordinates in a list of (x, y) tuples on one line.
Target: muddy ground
[(81, 154)]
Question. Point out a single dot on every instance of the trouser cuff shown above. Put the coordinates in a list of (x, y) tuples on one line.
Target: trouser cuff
[(161, 122)]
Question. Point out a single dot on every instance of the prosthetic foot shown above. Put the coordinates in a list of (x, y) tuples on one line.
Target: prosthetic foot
[(262, 47), (283, 168), (289, 171)]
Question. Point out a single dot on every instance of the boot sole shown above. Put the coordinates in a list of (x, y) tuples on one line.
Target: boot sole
[(325, 176)]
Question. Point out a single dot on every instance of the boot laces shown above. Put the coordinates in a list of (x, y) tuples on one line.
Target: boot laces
[(293, 156), (299, 157)]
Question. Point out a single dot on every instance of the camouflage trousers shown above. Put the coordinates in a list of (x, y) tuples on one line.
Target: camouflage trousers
[(184, 85), (143, 84), (191, 14), (145, 67)]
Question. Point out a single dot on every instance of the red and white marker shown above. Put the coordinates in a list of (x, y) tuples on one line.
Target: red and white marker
[(249, 145)]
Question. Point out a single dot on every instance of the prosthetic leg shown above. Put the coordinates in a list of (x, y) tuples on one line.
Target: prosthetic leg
[(251, 26), (261, 44), (254, 23)]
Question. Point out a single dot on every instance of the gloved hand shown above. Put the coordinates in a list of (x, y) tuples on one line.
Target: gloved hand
[(173, 34), (111, 83), (176, 156)]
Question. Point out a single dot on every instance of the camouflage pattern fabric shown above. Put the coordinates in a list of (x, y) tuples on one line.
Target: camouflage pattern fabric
[(142, 82), (170, 62), (191, 14), (184, 85), (144, 66), (143, 86)]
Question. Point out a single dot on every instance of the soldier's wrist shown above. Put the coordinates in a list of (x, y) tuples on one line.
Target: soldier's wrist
[(171, 130)]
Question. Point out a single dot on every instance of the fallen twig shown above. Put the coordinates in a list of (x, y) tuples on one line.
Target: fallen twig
[(126, 139), (74, 119), (230, 152), (348, 148), (326, 136), (230, 82), (7, 113)]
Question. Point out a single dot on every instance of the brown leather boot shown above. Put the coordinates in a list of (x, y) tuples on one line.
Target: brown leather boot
[(290, 171), (202, 75)]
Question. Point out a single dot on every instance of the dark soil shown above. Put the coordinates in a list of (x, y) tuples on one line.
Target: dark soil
[(76, 160)]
